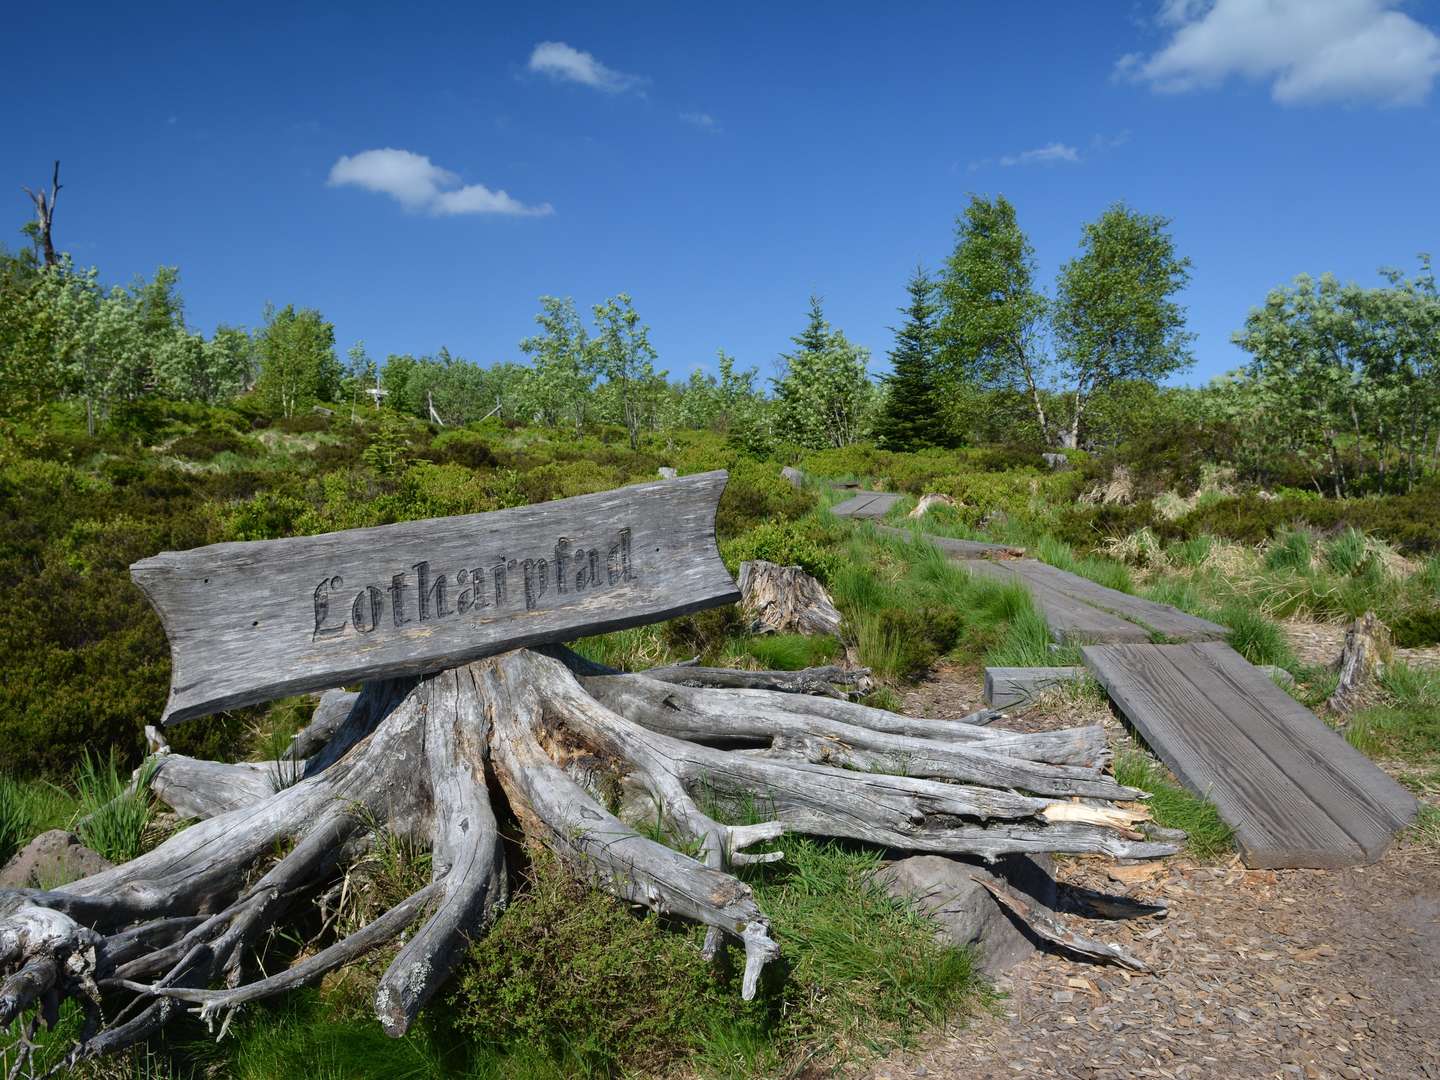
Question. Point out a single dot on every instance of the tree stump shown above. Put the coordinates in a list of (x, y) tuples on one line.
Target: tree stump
[(544, 739), (1362, 661), (786, 600)]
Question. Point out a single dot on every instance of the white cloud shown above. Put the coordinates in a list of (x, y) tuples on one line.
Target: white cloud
[(419, 185), (1050, 154), (566, 63), (1309, 50), (700, 120)]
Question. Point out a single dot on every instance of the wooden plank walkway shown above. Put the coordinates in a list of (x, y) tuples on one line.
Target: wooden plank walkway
[(866, 504), (1080, 612), (1295, 792)]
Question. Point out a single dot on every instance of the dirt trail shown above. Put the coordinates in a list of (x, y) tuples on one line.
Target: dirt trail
[(1256, 973)]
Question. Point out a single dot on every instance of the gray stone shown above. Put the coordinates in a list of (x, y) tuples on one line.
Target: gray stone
[(945, 890), (793, 476), (667, 472), (1056, 461), (53, 858)]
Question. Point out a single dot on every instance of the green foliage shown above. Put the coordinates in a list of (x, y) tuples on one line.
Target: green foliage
[(911, 417), (993, 316), (1345, 378), (802, 543), (1406, 724), (1114, 316), (298, 366), (572, 972), (789, 652), (824, 397), (1208, 838)]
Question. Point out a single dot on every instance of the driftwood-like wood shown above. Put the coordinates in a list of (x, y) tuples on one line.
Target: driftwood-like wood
[(787, 600), (926, 502), (249, 622), (827, 680), (1367, 650), (540, 737)]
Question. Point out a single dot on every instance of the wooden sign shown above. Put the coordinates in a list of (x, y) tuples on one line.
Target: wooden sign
[(258, 620)]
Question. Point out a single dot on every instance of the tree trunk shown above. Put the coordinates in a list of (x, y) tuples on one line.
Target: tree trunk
[(549, 741)]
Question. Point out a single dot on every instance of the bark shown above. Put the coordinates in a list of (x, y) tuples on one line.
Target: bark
[(1362, 661), (785, 599), (548, 740)]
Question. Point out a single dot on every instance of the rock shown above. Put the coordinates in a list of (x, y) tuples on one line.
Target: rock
[(53, 858), (1056, 461), (793, 476), (1277, 674), (668, 473), (945, 889)]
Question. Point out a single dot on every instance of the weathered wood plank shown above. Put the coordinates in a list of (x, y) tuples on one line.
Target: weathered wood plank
[(1354, 791), (1006, 686), (866, 504), (1071, 621), (1226, 735), (248, 622), (958, 549), (1162, 618)]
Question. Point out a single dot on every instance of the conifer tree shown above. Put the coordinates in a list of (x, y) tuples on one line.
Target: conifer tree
[(910, 418)]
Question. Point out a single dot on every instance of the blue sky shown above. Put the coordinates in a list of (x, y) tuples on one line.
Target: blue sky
[(717, 162)]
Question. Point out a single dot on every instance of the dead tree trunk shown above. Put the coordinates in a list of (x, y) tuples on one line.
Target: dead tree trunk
[(45, 217), (558, 745)]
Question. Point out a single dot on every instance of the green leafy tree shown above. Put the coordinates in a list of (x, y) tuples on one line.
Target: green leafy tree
[(824, 397), (994, 322), (298, 365), (623, 355), (1115, 317), (911, 417), (1347, 377), (562, 372)]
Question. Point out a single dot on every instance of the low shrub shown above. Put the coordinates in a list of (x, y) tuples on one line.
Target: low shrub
[(571, 971), (801, 543)]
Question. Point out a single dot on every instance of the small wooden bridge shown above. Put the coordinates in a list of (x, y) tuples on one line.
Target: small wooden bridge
[(1295, 792)]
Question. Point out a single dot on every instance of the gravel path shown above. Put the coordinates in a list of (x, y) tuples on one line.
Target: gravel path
[(1255, 973)]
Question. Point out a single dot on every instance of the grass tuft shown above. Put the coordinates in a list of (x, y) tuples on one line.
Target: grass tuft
[(1174, 807), (113, 814)]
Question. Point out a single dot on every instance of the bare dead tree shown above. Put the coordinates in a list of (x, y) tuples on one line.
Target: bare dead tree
[(45, 217)]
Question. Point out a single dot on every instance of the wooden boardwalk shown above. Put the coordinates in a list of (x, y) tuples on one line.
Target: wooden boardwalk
[(1295, 792), (866, 504), (1080, 612)]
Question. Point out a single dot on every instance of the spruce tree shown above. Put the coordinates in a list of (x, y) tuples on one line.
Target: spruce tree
[(910, 418)]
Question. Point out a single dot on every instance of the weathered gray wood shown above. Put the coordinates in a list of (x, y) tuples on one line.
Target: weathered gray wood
[(1173, 623), (1071, 621), (866, 504), (958, 549), (248, 622), (1294, 791), (1006, 686)]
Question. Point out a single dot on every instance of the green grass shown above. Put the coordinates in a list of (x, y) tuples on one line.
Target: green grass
[(1405, 726), (28, 808), (112, 818), (1173, 807)]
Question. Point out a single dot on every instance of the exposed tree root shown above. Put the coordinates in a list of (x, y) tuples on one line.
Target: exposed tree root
[(578, 756)]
